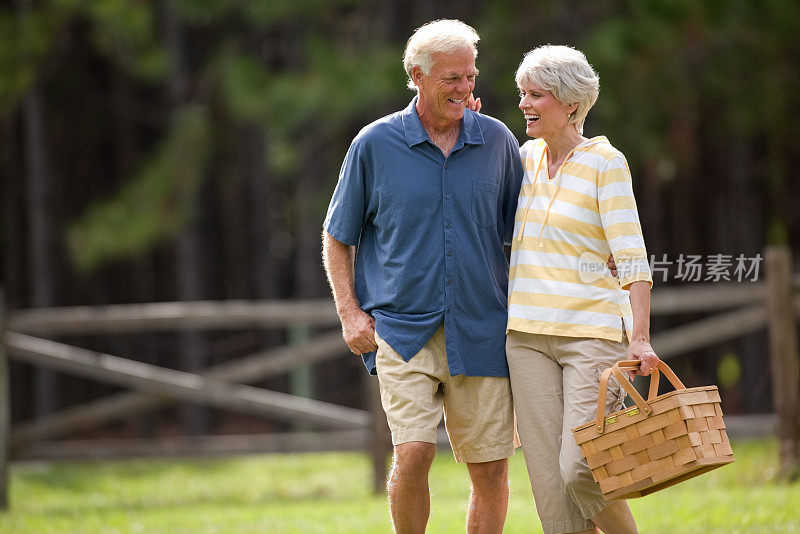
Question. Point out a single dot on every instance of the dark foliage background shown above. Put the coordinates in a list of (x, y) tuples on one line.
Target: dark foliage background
[(181, 150)]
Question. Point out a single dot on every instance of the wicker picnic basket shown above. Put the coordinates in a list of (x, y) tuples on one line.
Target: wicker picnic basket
[(657, 443)]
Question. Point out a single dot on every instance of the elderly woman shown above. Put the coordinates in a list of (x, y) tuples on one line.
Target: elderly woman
[(569, 318)]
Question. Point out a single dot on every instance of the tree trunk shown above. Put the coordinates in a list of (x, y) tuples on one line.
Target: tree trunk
[(310, 279), (13, 199), (12, 276), (41, 224), (127, 154), (188, 256), (260, 191)]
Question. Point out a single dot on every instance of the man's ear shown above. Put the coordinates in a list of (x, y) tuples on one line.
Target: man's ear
[(416, 74)]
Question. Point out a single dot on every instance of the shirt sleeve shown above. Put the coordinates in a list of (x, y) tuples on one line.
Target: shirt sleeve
[(513, 181), (620, 220), (347, 209)]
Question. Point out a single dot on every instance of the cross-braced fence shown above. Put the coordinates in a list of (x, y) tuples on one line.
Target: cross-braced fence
[(738, 309)]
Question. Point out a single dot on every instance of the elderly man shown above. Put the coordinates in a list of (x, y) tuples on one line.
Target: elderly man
[(413, 248)]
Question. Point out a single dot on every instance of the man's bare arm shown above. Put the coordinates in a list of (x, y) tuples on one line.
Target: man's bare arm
[(358, 328)]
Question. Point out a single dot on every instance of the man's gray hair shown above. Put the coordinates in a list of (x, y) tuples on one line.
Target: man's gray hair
[(565, 72), (444, 35)]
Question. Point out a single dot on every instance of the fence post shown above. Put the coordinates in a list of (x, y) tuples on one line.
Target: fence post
[(380, 441), (5, 407), (784, 356), (301, 377)]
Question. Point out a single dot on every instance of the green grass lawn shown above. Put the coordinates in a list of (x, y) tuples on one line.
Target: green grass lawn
[(329, 493)]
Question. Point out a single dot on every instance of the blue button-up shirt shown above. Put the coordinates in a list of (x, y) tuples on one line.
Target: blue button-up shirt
[(429, 232)]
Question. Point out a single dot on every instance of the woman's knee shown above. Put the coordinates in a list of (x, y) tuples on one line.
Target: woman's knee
[(577, 478)]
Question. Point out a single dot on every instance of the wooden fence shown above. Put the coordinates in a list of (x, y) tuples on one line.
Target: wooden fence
[(221, 386), (738, 308)]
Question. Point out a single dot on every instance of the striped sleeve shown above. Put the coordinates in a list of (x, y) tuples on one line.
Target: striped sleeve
[(620, 220)]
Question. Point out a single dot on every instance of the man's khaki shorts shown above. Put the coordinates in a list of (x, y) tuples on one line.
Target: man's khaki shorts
[(478, 412)]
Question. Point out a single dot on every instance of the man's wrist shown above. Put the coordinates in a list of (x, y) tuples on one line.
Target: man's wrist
[(347, 311)]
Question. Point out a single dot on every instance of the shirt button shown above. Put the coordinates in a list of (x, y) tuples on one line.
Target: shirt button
[(449, 282), (447, 197), (449, 253), (449, 225), (445, 165)]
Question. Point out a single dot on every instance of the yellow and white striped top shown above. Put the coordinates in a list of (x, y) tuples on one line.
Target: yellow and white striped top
[(566, 227)]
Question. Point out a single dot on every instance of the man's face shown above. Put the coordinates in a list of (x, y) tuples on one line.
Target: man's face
[(443, 93)]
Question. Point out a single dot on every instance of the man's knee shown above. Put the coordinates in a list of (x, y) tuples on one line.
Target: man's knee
[(489, 473), (414, 458)]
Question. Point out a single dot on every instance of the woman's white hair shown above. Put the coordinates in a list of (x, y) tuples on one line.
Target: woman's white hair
[(565, 72), (444, 35)]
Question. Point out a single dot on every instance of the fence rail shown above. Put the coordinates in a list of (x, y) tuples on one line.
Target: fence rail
[(737, 309), (253, 368), (165, 316), (179, 384)]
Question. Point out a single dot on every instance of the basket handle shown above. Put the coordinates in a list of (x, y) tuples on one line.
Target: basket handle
[(616, 370)]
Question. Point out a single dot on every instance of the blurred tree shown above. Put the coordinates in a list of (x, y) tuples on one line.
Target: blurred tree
[(195, 144), (41, 186), (698, 97), (190, 246)]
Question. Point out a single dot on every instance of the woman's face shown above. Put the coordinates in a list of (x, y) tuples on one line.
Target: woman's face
[(545, 116)]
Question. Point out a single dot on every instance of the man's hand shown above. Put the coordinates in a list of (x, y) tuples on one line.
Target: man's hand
[(358, 330), (612, 266), (642, 351)]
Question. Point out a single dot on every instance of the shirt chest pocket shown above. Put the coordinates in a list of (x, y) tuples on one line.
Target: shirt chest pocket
[(484, 202)]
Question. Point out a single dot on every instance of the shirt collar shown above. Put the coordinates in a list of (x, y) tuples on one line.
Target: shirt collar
[(471, 129), (470, 133)]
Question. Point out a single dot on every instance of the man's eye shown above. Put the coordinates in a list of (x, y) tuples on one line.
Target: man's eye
[(522, 94)]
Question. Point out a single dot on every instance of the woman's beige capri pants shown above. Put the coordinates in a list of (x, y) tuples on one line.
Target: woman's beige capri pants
[(554, 382)]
